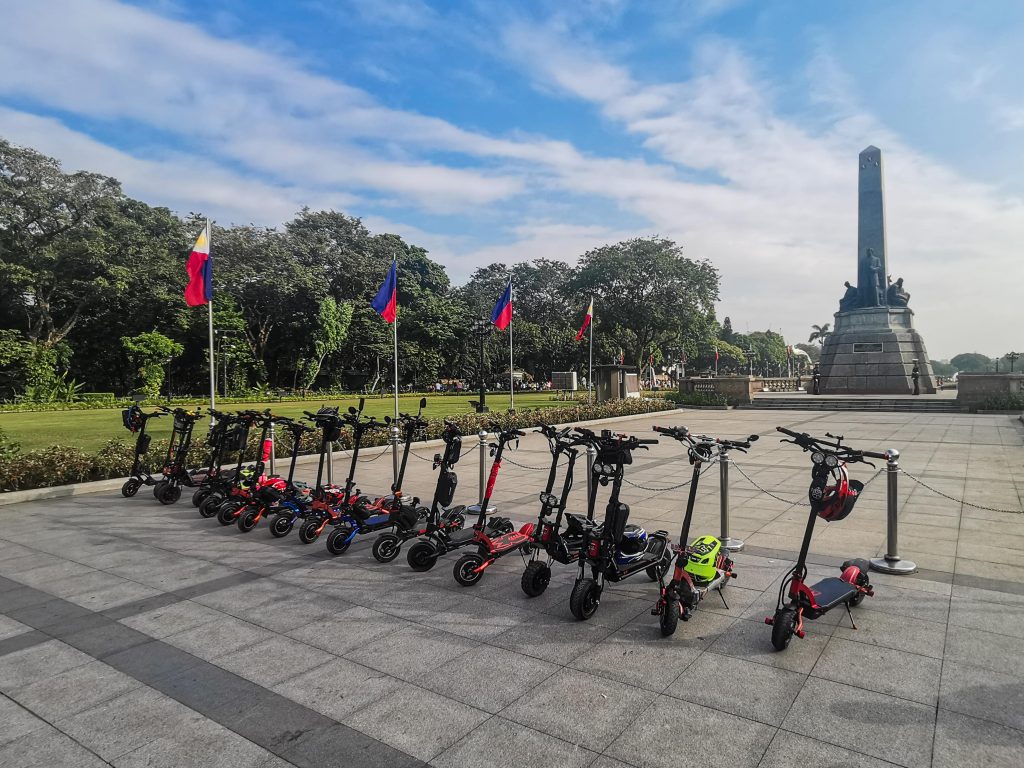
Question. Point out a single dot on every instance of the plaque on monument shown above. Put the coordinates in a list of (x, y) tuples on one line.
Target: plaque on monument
[(874, 347)]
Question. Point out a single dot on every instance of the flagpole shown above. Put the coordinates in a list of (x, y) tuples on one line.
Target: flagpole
[(590, 370), (209, 307), (396, 342), (511, 377)]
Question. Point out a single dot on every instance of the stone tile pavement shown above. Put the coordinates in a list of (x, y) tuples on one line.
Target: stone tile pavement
[(137, 635)]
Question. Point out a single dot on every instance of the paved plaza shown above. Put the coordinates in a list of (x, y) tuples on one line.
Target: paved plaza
[(138, 635)]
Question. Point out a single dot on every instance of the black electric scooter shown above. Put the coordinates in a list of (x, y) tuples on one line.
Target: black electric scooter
[(438, 538), (218, 440), (175, 470), (135, 420), (705, 564), (550, 541), (272, 497), (618, 550), (223, 485), (832, 495)]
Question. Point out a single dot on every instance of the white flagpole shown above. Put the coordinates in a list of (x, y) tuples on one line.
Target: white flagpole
[(396, 340), (209, 307), (590, 370), (511, 377)]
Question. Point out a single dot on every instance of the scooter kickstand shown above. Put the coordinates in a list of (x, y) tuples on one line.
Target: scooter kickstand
[(721, 594), (850, 614)]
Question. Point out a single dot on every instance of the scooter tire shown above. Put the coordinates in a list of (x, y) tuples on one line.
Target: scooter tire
[(130, 488), (585, 599), (536, 578), (386, 548), (158, 487), (783, 627), (169, 494), (280, 526), (856, 599), (422, 556), (211, 505), (339, 540), (200, 496), (466, 570), (228, 512), (247, 520), (657, 571), (309, 532), (669, 619)]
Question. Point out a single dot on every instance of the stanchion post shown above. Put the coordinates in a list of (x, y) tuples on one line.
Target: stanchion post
[(591, 457), (728, 543), (273, 449), (394, 439), (892, 563), (475, 508)]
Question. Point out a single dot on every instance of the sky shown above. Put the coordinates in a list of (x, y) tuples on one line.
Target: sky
[(491, 131)]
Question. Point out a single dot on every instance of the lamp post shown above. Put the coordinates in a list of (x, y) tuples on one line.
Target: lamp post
[(749, 354), (481, 329), (1012, 357)]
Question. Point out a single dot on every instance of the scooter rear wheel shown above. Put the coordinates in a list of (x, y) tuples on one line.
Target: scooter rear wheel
[(669, 619), (247, 520), (585, 598), (158, 487), (280, 526), (200, 496), (130, 488), (466, 569), (783, 626), (386, 548), (536, 578), (169, 494), (211, 505), (228, 512), (309, 532), (339, 540), (657, 571), (422, 556)]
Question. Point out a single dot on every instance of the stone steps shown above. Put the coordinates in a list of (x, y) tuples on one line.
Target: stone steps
[(812, 403)]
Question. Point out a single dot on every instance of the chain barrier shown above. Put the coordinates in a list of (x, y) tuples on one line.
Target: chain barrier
[(525, 466), (790, 501), (709, 463), (966, 503)]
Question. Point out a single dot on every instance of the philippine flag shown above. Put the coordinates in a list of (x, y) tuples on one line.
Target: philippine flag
[(502, 314), (586, 320), (200, 271), (385, 303)]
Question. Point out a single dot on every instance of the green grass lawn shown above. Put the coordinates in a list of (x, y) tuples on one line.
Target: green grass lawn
[(91, 429)]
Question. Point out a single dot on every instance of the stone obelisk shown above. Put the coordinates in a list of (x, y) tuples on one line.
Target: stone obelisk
[(874, 349)]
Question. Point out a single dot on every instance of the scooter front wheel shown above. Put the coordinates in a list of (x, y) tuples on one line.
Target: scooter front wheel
[(280, 526), (247, 520), (169, 494), (783, 627), (158, 487), (467, 569), (309, 532), (339, 539), (422, 556), (386, 548), (228, 512), (669, 619), (536, 578), (200, 496), (211, 505), (585, 598), (130, 488)]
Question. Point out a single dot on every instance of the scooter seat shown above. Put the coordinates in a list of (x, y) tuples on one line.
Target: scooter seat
[(832, 591), (462, 536)]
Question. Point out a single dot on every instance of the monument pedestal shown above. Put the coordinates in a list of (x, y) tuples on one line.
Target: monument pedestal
[(872, 352)]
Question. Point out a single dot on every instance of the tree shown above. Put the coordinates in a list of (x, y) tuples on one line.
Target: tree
[(333, 321), (650, 295), (972, 362), (940, 368), (726, 334), (812, 351), (150, 352), (820, 333)]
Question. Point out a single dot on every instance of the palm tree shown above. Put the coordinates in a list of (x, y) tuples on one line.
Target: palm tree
[(820, 333)]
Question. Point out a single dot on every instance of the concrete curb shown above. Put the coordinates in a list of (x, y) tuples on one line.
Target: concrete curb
[(114, 484)]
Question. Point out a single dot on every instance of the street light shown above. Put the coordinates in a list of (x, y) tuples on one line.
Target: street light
[(1012, 357), (749, 354), (481, 329)]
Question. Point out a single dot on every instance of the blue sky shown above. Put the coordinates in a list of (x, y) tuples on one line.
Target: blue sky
[(490, 131)]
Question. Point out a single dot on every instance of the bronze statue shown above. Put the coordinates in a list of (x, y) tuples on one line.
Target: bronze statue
[(896, 296), (875, 272), (851, 299)]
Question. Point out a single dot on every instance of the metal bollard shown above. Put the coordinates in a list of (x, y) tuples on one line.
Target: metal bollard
[(475, 508), (728, 543), (892, 563), (273, 449), (394, 454), (330, 463)]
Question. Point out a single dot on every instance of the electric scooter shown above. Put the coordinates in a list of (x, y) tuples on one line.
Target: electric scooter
[(135, 420), (218, 440), (703, 565), (438, 538), (832, 495), (244, 492), (618, 550), (176, 473), (272, 496), (226, 484), (550, 542)]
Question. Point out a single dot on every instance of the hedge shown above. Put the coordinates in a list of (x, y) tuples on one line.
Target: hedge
[(60, 465), (697, 398)]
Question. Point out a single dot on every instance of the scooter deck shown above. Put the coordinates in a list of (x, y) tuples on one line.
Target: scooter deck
[(832, 591)]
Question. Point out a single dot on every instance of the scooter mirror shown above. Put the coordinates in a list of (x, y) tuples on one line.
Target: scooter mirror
[(362, 402), (753, 438), (352, 410), (423, 403)]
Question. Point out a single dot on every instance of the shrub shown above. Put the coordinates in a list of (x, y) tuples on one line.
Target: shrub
[(1003, 402), (697, 398)]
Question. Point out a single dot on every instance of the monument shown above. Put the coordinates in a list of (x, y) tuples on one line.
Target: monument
[(874, 349)]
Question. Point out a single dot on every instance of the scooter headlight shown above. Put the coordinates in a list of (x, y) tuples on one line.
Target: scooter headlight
[(831, 461), (549, 499), (817, 457)]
